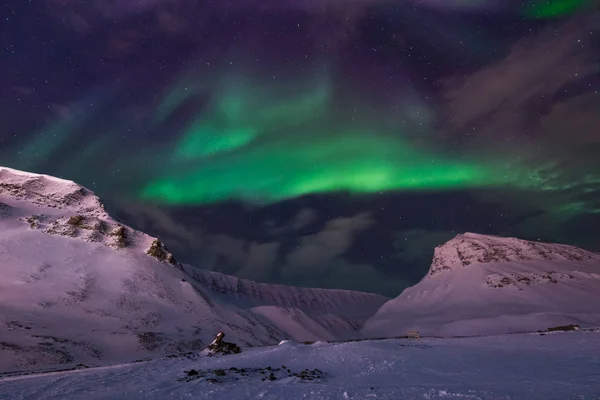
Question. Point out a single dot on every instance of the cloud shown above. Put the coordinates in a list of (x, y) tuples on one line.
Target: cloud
[(341, 274), (122, 42), (335, 21), (317, 260), (231, 248), (333, 241), (304, 218), (148, 218), (260, 260), (579, 115), (415, 246), (537, 108), (187, 240), (172, 20), (536, 73)]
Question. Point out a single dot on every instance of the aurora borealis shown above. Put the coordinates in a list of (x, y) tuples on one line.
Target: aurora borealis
[(238, 152), (328, 143), (555, 8)]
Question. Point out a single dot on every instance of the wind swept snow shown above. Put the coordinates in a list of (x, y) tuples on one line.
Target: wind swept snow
[(526, 366)]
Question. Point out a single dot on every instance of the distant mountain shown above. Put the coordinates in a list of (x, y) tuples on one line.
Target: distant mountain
[(76, 286), (479, 285), (305, 314)]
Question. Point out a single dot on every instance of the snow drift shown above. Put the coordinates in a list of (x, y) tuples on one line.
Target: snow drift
[(481, 284)]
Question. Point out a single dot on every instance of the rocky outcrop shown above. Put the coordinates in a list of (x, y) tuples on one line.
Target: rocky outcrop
[(220, 347), (159, 251), (86, 228)]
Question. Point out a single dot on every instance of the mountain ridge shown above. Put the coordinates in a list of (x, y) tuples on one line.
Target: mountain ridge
[(473, 248)]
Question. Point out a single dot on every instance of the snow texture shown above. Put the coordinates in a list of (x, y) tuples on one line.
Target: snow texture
[(562, 365), (77, 287), (485, 285)]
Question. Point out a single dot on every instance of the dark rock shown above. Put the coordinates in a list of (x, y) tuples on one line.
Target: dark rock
[(219, 346), (75, 220), (120, 236), (571, 327), (159, 251)]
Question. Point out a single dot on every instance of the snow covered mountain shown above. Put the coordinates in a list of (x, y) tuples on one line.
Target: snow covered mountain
[(480, 284), (78, 287)]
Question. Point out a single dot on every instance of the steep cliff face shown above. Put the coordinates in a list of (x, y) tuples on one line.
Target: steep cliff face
[(76, 286), (480, 284), (471, 248)]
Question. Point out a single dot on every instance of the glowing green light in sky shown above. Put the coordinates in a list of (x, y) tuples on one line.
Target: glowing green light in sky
[(362, 162), (267, 141), (48, 141), (182, 91), (241, 112), (554, 8)]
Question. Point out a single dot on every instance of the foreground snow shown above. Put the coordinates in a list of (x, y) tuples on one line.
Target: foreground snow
[(526, 366)]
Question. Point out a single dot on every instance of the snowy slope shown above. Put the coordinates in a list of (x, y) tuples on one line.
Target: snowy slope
[(78, 287), (480, 284), (517, 367), (307, 314)]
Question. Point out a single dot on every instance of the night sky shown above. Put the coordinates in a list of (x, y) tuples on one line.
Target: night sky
[(329, 143)]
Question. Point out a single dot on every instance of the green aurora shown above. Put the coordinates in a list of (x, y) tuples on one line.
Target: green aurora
[(555, 8), (260, 144), (356, 162)]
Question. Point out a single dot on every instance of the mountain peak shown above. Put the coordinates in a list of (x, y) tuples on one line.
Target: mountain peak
[(62, 207), (48, 191), (472, 248)]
